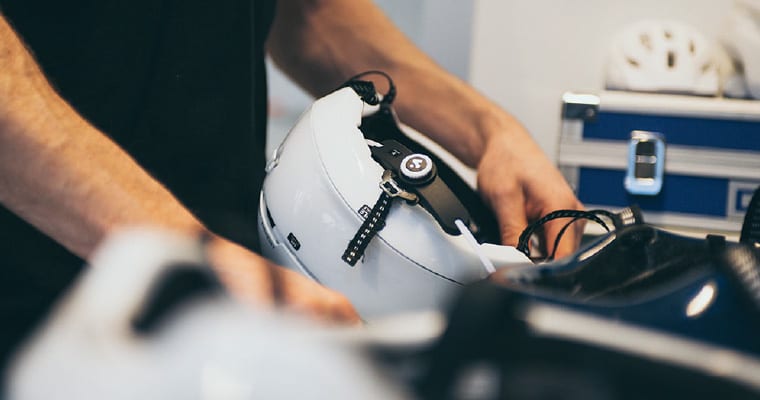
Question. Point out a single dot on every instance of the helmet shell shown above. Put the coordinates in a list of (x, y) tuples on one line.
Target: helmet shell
[(322, 176), (203, 346), (741, 37)]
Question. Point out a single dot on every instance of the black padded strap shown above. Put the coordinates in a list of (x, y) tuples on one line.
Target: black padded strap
[(433, 193)]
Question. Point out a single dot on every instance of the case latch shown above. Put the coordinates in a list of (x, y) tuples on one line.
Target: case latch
[(646, 163), (580, 106)]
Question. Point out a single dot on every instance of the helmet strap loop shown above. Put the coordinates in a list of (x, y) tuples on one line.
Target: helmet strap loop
[(374, 222)]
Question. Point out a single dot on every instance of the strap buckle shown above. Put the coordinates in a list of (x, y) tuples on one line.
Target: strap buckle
[(392, 189)]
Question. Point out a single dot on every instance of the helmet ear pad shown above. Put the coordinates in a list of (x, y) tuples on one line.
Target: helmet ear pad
[(383, 125)]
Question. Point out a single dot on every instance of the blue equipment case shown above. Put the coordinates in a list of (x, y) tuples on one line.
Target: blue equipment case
[(698, 172)]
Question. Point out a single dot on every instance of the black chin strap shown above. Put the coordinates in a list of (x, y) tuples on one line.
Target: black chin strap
[(412, 176), (431, 191)]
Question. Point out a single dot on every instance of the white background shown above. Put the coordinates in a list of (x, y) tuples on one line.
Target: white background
[(526, 53), (521, 53), (442, 28)]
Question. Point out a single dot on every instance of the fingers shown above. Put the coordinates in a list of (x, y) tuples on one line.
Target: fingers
[(259, 282), (243, 273), (520, 195), (501, 191), (560, 197), (510, 214), (305, 296)]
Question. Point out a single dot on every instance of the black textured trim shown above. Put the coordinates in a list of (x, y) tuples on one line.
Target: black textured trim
[(751, 226)]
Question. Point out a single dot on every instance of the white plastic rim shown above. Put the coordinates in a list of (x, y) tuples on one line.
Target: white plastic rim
[(741, 37)]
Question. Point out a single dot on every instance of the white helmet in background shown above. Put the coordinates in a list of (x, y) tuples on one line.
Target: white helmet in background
[(148, 321), (741, 37), (667, 56), (326, 194)]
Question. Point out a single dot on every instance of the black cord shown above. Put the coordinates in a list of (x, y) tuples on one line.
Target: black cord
[(362, 88), (615, 218), (627, 216), (612, 216), (374, 222), (522, 244), (559, 236)]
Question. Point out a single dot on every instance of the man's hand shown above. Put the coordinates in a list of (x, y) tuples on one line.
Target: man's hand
[(521, 185), (258, 281), (321, 44), (74, 184)]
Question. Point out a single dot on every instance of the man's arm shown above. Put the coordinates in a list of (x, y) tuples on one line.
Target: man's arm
[(322, 43), (74, 184)]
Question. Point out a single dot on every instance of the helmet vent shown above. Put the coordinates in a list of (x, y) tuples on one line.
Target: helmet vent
[(667, 56), (646, 41)]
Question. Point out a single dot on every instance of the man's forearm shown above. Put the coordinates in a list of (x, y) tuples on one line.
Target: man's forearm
[(321, 43), (60, 173)]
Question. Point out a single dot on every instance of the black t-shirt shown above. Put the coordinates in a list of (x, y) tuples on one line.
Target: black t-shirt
[(179, 84)]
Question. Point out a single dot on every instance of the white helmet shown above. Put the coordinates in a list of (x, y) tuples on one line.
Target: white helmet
[(741, 36), (148, 321), (666, 56), (316, 212)]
